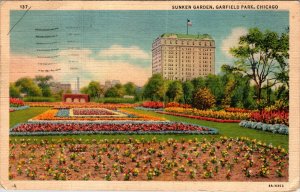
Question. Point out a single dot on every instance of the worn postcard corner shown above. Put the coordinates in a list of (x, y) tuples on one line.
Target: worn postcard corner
[(150, 95)]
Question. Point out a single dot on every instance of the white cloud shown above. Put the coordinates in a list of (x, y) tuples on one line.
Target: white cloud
[(133, 52), (88, 68), (232, 40)]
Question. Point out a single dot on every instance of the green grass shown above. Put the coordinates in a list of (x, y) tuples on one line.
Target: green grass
[(231, 130), (23, 115), (41, 99), (225, 129)]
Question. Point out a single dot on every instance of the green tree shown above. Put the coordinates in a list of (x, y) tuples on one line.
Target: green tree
[(282, 75), (130, 88), (216, 86), (188, 89), (44, 82), (243, 93), (84, 90), (115, 91), (228, 92), (198, 83), (94, 89), (120, 90), (28, 87), (237, 90), (257, 56), (204, 99), (138, 95), (175, 91), (111, 92), (155, 88), (14, 91), (282, 93)]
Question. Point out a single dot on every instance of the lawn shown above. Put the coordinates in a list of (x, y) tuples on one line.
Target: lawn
[(225, 129), (23, 115)]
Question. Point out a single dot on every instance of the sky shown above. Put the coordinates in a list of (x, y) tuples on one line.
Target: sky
[(108, 45)]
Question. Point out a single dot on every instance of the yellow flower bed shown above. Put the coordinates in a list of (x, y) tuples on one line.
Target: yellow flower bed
[(209, 113), (51, 115)]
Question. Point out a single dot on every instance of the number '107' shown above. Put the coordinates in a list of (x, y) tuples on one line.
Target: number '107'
[(24, 6)]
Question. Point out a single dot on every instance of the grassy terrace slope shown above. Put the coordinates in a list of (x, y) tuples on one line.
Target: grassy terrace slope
[(23, 115), (225, 129)]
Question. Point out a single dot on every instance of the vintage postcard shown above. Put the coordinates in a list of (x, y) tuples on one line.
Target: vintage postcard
[(150, 95)]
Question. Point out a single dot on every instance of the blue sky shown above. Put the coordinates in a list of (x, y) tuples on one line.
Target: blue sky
[(109, 42)]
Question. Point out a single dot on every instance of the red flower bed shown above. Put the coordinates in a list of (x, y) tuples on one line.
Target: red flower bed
[(16, 102), (110, 127), (91, 112), (175, 104), (201, 118), (240, 110), (270, 117), (153, 104)]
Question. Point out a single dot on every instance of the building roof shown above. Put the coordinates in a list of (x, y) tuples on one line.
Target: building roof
[(186, 36)]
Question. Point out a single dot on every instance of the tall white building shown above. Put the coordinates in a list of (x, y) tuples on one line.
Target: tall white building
[(183, 57)]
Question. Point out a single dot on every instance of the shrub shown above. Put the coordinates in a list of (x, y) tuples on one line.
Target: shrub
[(40, 99), (204, 99), (279, 105)]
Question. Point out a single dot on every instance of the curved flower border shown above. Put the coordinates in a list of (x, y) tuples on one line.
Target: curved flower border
[(12, 109), (200, 118), (202, 132), (274, 128)]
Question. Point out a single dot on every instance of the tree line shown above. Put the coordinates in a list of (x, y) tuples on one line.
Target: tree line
[(257, 78), (40, 86)]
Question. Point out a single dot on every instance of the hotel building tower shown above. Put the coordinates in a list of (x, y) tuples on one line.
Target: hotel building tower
[(183, 57)]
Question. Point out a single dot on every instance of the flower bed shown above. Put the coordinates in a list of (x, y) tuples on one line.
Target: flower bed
[(201, 118), (63, 113), (63, 105), (16, 102), (54, 114), (12, 109), (153, 104), (96, 112), (239, 110), (274, 128), (207, 114), (225, 159), (92, 112), (175, 104), (270, 117), (110, 128)]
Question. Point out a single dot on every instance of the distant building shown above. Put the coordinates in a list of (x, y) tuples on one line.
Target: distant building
[(115, 82), (108, 84), (57, 87), (128, 96), (183, 57)]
